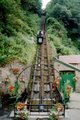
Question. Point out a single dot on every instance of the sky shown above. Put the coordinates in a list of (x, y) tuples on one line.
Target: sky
[(44, 2)]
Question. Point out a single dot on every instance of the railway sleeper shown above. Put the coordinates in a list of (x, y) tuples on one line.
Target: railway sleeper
[(47, 91)]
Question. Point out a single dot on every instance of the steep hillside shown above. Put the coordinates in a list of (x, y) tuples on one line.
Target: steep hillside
[(63, 26), (18, 27)]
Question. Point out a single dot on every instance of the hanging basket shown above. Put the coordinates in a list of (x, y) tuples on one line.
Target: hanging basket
[(6, 80), (11, 88), (22, 80), (20, 106), (59, 107), (15, 70), (75, 78)]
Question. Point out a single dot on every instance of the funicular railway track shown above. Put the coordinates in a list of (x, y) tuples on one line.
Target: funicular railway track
[(41, 87), (42, 93), (42, 96)]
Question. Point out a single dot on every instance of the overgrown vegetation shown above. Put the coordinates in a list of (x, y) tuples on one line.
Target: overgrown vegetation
[(18, 26), (63, 25)]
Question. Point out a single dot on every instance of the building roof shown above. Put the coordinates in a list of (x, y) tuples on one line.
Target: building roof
[(75, 59)]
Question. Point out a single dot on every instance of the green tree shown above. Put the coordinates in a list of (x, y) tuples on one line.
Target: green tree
[(18, 21), (32, 5), (68, 13)]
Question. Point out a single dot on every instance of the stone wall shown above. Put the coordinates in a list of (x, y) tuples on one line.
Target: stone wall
[(8, 76)]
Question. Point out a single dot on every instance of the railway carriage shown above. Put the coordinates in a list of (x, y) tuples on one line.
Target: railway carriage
[(40, 37)]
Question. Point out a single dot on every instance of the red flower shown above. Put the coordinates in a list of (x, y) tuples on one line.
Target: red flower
[(11, 88), (69, 87)]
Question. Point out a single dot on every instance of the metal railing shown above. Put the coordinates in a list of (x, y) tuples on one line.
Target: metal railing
[(40, 108)]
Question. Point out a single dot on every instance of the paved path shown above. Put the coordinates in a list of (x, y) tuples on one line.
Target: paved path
[(74, 107), (74, 101)]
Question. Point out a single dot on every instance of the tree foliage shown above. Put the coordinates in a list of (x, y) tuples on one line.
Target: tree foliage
[(32, 5), (63, 26), (18, 20), (68, 13)]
